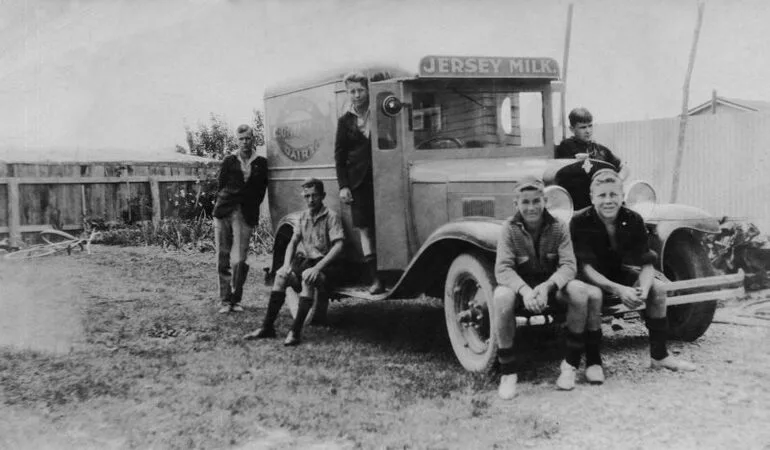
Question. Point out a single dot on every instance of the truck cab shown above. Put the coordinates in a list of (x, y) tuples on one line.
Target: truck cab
[(449, 142)]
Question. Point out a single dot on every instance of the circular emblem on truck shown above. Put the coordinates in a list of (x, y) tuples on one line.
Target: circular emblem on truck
[(300, 129)]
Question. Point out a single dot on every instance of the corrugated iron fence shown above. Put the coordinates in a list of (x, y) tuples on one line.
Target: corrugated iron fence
[(37, 196), (725, 166)]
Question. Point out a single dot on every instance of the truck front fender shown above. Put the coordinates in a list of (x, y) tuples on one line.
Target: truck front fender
[(668, 218), (428, 268)]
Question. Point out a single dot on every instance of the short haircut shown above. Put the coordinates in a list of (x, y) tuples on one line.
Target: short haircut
[(242, 129), (605, 176), (580, 115), (314, 183), (356, 77)]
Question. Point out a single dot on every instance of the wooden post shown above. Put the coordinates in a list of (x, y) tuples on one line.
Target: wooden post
[(155, 193), (565, 65), (685, 98), (14, 211)]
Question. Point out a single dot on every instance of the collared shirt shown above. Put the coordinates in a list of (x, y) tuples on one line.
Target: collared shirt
[(362, 120), (521, 260), (592, 242), (318, 233), (571, 146), (246, 163)]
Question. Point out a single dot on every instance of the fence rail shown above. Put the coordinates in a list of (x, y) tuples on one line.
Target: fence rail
[(37, 197)]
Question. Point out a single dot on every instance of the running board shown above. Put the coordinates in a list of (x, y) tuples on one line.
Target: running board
[(360, 292)]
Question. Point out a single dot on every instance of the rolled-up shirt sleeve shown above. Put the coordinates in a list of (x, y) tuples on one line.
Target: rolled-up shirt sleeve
[(567, 263), (505, 262), (336, 232)]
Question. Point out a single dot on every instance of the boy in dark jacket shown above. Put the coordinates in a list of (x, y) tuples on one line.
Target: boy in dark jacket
[(241, 186), (608, 237)]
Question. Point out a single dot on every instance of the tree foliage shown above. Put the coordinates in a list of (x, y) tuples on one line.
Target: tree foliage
[(216, 139)]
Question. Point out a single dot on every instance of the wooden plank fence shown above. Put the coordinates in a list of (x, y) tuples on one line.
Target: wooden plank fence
[(37, 196)]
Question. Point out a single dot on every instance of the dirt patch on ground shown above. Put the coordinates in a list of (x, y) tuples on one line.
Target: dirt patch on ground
[(124, 349), (42, 307)]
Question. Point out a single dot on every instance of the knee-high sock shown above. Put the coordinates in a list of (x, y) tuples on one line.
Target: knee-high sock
[(574, 346), (305, 303), (273, 308), (658, 328), (593, 341), (507, 360)]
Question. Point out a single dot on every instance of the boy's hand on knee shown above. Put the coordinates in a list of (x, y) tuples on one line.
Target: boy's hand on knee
[(310, 276), (629, 297), (531, 300)]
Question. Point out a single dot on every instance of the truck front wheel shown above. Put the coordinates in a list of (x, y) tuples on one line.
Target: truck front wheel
[(686, 260), (468, 309)]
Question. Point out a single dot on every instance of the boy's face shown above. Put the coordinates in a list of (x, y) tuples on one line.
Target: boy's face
[(359, 95), (607, 199), (531, 204), (583, 131), (313, 199)]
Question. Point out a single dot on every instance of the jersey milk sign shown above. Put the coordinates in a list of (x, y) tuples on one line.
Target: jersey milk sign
[(488, 67)]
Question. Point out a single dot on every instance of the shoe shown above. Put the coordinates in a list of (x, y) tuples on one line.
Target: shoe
[(292, 340), (671, 363), (224, 309), (377, 287), (236, 308), (507, 389), (260, 333), (566, 380), (595, 374)]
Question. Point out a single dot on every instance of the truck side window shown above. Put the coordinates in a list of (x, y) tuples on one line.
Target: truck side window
[(386, 126)]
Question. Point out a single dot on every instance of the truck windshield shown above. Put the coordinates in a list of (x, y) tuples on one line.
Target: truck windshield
[(455, 118)]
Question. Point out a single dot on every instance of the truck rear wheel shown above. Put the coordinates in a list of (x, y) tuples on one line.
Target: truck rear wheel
[(468, 309), (686, 260)]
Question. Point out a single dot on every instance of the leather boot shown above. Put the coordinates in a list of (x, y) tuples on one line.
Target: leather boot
[(240, 271)]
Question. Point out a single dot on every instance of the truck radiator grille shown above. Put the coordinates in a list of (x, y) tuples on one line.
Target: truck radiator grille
[(479, 207)]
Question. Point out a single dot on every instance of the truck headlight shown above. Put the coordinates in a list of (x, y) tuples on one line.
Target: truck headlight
[(559, 203), (640, 192)]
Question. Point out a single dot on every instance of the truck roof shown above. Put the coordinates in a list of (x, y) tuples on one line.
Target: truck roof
[(375, 72)]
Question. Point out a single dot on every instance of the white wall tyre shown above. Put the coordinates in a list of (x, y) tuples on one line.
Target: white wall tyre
[(468, 309)]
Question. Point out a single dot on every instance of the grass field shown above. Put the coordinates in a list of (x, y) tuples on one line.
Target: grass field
[(154, 366)]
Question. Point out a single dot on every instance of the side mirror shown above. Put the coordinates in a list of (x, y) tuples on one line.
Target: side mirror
[(391, 106)]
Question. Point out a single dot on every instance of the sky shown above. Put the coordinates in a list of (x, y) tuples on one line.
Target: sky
[(133, 73)]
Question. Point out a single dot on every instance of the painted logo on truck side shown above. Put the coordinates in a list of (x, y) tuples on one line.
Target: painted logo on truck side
[(300, 129)]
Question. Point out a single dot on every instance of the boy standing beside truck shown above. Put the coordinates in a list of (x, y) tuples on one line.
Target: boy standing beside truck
[(353, 161), (241, 186), (536, 265)]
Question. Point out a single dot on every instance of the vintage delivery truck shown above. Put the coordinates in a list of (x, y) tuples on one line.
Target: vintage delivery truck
[(449, 143)]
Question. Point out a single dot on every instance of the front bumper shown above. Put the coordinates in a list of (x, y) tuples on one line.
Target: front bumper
[(707, 289)]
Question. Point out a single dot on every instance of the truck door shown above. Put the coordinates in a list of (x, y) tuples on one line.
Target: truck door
[(390, 178)]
